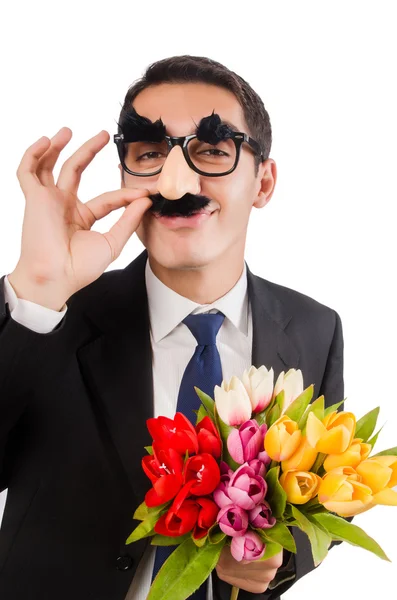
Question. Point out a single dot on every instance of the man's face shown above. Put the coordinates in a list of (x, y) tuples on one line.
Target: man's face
[(191, 243)]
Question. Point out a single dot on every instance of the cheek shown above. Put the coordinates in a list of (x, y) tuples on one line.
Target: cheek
[(234, 198)]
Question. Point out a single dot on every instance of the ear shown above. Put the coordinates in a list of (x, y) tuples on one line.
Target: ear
[(267, 176)]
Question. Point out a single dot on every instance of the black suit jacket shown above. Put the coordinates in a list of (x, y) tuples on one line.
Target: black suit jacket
[(73, 406)]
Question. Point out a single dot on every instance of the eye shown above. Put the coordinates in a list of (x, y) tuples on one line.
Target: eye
[(149, 155), (214, 152)]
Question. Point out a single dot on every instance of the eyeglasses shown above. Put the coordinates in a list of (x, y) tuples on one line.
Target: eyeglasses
[(146, 159)]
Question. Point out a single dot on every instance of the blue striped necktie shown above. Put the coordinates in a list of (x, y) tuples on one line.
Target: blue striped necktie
[(204, 371)]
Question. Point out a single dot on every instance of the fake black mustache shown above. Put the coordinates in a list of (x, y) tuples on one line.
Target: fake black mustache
[(183, 207)]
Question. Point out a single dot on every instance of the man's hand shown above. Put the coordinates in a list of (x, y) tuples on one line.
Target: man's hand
[(252, 576)]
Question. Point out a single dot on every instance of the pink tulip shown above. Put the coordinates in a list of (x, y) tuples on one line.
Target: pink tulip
[(261, 516), (245, 443), (247, 547), (246, 489), (233, 520), (265, 458), (220, 495), (258, 466)]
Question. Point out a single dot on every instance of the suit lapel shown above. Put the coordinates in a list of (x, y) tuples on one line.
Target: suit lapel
[(271, 346), (117, 368), (117, 362)]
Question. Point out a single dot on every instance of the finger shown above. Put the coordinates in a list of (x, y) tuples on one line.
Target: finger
[(265, 575), (249, 585), (123, 229), (47, 161), (73, 167), (104, 204), (26, 171)]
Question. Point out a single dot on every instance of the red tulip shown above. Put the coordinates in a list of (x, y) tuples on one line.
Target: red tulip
[(177, 433), (187, 513), (202, 474), (164, 469), (181, 516), (208, 437), (178, 523), (206, 517)]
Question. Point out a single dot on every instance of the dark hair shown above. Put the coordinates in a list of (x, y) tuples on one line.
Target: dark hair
[(191, 69)]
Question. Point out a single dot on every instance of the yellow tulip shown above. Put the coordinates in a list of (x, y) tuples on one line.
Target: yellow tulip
[(380, 474), (282, 439), (300, 486), (356, 452), (333, 434), (343, 492), (303, 458)]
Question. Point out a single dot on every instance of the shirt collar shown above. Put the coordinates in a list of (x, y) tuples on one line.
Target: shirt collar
[(168, 308)]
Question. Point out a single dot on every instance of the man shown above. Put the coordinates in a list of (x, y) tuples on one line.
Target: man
[(86, 356)]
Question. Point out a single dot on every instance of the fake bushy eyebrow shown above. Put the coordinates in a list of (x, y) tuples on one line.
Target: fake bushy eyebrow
[(135, 127)]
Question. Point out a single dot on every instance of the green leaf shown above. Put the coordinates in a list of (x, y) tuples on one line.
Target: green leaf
[(201, 413), (316, 407), (143, 511), (297, 408), (201, 541), (224, 432), (273, 415), (313, 506), (272, 548), (319, 540), (374, 438), (260, 418), (332, 408), (318, 462), (146, 527), (276, 495), (215, 534), (208, 402), (389, 452), (149, 450), (184, 571), (280, 534), (340, 529), (279, 399), (366, 425), (164, 540)]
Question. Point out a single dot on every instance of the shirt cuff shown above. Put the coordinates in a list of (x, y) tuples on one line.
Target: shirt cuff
[(33, 316)]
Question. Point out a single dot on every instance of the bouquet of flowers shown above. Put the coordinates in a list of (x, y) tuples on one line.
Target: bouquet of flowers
[(262, 458)]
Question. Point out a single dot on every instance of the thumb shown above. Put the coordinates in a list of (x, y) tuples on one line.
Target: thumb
[(128, 223)]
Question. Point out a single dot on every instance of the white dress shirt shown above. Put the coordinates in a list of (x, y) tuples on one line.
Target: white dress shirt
[(169, 338)]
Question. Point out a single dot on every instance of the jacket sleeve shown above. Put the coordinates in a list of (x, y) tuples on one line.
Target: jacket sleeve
[(296, 566), (332, 388), (22, 350)]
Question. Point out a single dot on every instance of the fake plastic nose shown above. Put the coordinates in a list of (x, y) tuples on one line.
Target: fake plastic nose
[(177, 178)]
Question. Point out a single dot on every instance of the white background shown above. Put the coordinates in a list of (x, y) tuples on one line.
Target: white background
[(326, 72)]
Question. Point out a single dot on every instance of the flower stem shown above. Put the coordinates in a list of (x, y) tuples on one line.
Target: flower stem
[(234, 594)]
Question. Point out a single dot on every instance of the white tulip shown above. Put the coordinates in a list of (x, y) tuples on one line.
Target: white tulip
[(259, 385), (232, 402), (292, 384)]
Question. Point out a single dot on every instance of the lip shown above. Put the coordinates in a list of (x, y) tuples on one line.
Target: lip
[(193, 221)]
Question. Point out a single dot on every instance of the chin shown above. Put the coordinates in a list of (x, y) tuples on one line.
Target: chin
[(170, 258)]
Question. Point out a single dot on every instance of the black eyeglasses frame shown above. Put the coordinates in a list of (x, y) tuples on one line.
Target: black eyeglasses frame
[(238, 138)]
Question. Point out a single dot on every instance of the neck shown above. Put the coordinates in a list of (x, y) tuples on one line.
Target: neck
[(203, 284)]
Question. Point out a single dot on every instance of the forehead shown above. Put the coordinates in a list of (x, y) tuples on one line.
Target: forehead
[(181, 106)]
